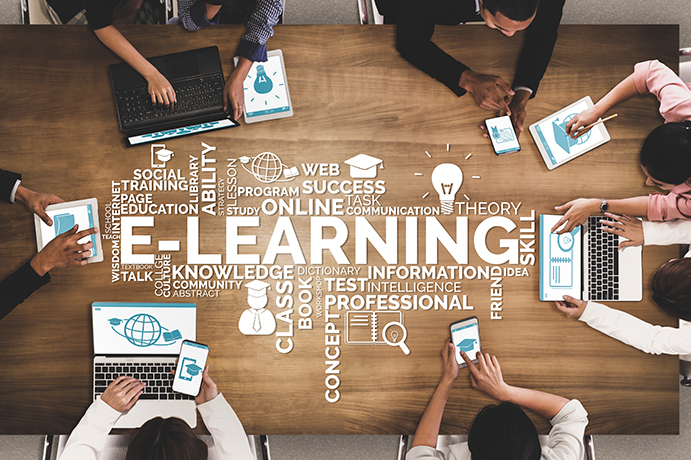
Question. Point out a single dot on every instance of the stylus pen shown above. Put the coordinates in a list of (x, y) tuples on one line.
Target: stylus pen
[(602, 120)]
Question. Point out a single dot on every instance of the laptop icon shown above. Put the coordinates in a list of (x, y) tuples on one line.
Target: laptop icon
[(587, 264), (196, 77), (142, 340)]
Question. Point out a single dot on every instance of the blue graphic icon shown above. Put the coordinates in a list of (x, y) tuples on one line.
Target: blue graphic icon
[(143, 330), (504, 135), (466, 344), (562, 139), (561, 258), (63, 223), (262, 84), (188, 369)]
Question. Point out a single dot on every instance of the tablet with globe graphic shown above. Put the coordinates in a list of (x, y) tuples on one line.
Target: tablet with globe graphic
[(555, 146), (142, 328)]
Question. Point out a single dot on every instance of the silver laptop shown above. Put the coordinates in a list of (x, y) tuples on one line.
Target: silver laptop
[(587, 263), (142, 340)]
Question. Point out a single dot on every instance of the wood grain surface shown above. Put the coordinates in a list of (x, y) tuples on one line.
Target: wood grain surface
[(352, 94)]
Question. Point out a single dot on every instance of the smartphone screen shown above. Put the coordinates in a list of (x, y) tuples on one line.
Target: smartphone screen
[(465, 335), (191, 363), (503, 137)]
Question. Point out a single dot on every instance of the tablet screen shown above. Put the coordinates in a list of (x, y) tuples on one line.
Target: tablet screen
[(560, 147), (265, 88), (66, 218)]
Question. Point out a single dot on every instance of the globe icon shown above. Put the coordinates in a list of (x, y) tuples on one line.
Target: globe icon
[(267, 167), (142, 330)]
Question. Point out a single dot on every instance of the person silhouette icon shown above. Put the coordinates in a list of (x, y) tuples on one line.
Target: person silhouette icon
[(257, 320)]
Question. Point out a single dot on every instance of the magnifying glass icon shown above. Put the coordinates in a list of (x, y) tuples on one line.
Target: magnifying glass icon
[(395, 334)]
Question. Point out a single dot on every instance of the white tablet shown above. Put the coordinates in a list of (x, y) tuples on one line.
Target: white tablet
[(555, 146), (266, 90), (65, 215)]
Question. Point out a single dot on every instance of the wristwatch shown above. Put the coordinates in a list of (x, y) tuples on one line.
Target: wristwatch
[(604, 206)]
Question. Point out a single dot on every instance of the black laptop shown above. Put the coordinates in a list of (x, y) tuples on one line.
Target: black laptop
[(196, 76)]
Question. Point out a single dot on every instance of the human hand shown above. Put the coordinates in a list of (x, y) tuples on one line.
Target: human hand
[(517, 110), (37, 202), (626, 226), (573, 308), (123, 393), (448, 356), (233, 95), (64, 250), (584, 118), (208, 390), (484, 90), (161, 90), (488, 378), (577, 212)]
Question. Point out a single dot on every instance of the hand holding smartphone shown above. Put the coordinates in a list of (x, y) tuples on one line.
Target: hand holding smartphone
[(502, 135), (191, 364), (465, 335)]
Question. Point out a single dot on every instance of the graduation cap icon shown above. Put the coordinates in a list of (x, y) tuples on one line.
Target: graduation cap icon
[(164, 155), (115, 321), (257, 288), (364, 166), (193, 369), (466, 344)]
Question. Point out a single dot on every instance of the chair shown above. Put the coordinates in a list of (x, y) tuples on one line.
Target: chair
[(685, 67), (369, 13)]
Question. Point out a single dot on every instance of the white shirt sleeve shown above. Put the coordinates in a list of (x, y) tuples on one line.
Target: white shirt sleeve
[(88, 437), (565, 440), (666, 233), (225, 427), (456, 452), (13, 194), (635, 332)]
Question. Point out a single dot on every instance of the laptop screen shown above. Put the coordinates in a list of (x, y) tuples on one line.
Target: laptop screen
[(128, 328), (560, 261)]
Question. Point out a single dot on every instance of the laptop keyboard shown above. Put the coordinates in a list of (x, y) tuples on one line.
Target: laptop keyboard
[(603, 262), (135, 106), (156, 373)]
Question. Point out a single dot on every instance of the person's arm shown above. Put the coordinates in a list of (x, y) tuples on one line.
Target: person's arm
[(222, 422), (37, 202), (674, 205), (576, 212), (89, 436), (624, 90), (666, 233), (9, 182), (160, 89), (252, 48), (627, 328), (196, 14), (674, 94), (18, 287), (488, 379), (428, 428)]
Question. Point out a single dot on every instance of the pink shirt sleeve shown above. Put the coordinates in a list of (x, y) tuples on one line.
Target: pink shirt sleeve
[(675, 205), (674, 95)]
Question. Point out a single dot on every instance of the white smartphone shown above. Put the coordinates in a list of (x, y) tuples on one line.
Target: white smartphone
[(191, 363), (465, 335), (502, 135)]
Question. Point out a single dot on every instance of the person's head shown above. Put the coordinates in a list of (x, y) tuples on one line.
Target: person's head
[(503, 432), (166, 439), (508, 16), (666, 155), (671, 286)]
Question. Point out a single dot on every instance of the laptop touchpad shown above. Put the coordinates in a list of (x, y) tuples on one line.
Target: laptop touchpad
[(178, 67)]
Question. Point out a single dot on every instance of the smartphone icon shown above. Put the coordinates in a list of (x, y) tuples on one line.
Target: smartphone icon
[(191, 363)]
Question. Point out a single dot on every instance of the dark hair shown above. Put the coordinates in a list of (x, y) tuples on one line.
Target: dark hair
[(503, 432), (516, 10), (666, 153), (671, 286), (166, 439)]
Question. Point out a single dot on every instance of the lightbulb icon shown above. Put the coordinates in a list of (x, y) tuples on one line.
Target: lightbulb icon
[(447, 179), (262, 84)]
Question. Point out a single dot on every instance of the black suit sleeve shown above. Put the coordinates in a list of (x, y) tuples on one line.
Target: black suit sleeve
[(414, 30), (18, 286), (7, 181), (541, 36)]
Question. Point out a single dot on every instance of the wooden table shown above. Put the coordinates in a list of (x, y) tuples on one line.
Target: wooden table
[(352, 94)]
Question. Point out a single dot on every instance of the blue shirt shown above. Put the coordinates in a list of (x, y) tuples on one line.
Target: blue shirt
[(252, 46)]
